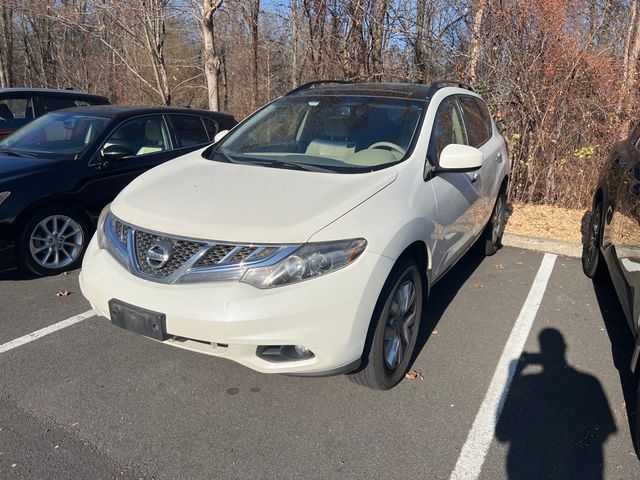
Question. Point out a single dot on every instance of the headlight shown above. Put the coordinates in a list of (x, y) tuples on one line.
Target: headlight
[(4, 196), (100, 231), (309, 261)]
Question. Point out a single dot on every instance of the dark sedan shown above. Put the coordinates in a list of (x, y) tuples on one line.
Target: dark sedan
[(59, 171), (612, 246), (19, 106)]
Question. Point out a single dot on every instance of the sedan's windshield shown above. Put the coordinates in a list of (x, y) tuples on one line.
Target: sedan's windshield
[(55, 135), (342, 134)]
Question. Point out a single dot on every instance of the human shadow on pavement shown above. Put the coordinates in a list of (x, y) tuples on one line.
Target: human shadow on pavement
[(556, 419), (622, 346)]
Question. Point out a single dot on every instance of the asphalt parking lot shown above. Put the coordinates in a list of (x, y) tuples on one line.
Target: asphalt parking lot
[(93, 401)]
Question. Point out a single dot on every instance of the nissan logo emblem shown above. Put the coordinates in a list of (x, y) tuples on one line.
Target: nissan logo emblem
[(159, 254)]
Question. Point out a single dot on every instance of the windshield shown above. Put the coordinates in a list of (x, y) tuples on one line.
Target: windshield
[(55, 135), (327, 133)]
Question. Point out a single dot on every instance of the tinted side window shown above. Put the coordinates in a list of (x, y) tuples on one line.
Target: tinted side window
[(448, 128), (16, 109), (57, 103), (189, 130), (211, 126), (477, 128), (143, 135)]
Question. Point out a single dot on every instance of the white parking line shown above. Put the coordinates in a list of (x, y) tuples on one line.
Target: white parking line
[(478, 441), (30, 337)]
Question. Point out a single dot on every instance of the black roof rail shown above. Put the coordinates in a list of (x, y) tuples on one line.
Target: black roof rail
[(308, 85), (438, 84)]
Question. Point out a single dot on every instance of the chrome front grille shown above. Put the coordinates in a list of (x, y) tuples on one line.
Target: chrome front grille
[(121, 231), (183, 256), (181, 252)]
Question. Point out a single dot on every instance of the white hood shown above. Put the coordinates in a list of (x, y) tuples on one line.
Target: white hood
[(199, 198)]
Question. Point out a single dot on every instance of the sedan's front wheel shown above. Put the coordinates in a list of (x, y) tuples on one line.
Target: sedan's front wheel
[(53, 241), (396, 320)]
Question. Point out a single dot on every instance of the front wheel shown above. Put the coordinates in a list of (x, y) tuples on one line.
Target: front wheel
[(52, 241), (396, 320), (593, 263)]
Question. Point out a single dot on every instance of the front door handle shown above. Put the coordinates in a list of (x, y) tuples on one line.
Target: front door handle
[(475, 177)]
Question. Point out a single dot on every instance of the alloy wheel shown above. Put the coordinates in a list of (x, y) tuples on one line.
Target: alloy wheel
[(497, 222), (56, 242), (399, 328)]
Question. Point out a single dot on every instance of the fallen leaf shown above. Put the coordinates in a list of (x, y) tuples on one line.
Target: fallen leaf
[(499, 266), (64, 274), (63, 293), (519, 263), (414, 375), (478, 285), (435, 332)]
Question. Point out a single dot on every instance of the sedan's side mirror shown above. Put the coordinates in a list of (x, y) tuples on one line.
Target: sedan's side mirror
[(220, 135), (460, 158), (114, 153)]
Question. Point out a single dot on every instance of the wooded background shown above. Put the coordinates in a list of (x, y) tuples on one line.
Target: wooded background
[(561, 77)]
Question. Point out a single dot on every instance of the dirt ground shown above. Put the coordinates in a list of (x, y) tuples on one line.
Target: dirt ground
[(545, 221)]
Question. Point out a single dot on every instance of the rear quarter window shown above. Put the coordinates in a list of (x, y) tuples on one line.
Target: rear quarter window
[(189, 130), (211, 126), (477, 120)]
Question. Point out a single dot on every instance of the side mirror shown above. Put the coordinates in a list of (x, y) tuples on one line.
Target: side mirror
[(220, 135), (114, 153), (460, 158)]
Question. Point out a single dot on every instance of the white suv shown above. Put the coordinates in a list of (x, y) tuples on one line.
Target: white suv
[(307, 239)]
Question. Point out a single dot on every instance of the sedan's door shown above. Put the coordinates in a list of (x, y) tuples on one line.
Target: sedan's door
[(455, 192), (627, 225), (148, 140)]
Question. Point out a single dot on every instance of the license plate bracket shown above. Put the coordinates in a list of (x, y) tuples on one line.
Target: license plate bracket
[(139, 320)]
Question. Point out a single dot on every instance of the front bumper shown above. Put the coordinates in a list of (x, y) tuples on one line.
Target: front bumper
[(330, 315)]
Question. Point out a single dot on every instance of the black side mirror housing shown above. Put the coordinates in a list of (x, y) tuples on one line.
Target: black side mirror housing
[(113, 153)]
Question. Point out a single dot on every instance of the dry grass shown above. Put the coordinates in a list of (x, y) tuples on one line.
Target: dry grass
[(545, 221)]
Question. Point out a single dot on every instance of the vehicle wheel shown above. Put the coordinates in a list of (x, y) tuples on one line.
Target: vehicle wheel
[(491, 239), (593, 263), (396, 320), (637, 432), (53, 241)]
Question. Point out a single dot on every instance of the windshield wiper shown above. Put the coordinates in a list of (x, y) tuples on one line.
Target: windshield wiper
[(290, 165), (13, 153)]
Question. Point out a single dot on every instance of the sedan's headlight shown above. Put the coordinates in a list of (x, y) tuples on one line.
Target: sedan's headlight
[(309, 261), (100, 231)]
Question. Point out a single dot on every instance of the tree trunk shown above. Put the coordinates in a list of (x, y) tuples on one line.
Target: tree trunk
[(631, 56), (6, 45), (376, 32), (475, 48), (211, 60)]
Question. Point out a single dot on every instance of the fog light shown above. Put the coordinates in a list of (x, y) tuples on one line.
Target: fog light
[(302, 351), (284, 353)]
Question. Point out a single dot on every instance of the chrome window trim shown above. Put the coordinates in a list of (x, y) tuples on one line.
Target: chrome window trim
[(127, 257)]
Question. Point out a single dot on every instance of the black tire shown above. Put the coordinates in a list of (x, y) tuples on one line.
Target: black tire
[(593, 263), (77, 232), (374, 371), (490, 240), (637, 422)]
